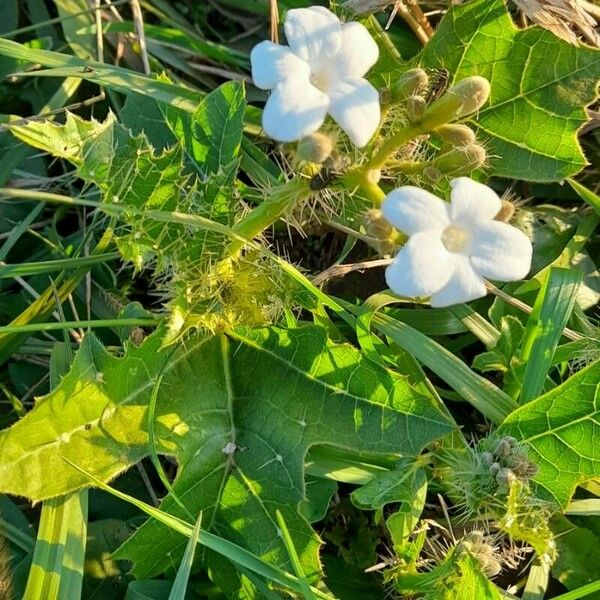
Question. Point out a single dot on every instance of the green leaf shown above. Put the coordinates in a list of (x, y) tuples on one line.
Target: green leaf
[(213, 134), (561, 429), (318, 496), (148, 590), (407, 485), (504, 352), (59, 554), (76, 15), (540, 86), (578, 562), (104, 577), (459, 576), (544, 329), (587, 195), (240, 441)]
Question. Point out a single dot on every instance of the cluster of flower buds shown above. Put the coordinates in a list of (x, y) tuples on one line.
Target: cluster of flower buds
[(481, 547), (507, 462), (461, 154)]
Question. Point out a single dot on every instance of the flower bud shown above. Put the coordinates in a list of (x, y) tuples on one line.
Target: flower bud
[(432, 173), (456, 134), (415, 108), (461, 100), (505, 478), (503, 448), (377, 227), (376, 224), (461, 160), (409, 84), (519, 464), (315, 148), (505, 214), (495, 468), (385, 96), (487, 458)]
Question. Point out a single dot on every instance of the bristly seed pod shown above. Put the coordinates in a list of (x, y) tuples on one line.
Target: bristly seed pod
[(461, 100), (487, 458), (495, 468)]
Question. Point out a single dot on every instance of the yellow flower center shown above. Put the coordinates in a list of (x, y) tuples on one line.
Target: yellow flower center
[(455, 238), (320, 79)]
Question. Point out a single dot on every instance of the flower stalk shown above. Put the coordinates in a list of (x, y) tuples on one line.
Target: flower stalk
[(281, 200)]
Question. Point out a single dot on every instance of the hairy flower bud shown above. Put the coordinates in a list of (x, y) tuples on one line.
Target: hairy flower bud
[(383, 234), (315, 148), (487, 458), (461, 160), (409, 84), (495, 468), (505, 478), (456, 134), (461, 100), (415, 108), (506, 212)]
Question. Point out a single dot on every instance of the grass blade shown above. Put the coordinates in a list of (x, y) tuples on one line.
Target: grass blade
[(183, 574), (582, 592), (47, 266), (291, 550), (549, 317), (586, 195), (221, 546)]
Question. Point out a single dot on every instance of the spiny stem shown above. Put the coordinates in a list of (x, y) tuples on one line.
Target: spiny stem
[(364, 179), (391, 145), (268, 212)]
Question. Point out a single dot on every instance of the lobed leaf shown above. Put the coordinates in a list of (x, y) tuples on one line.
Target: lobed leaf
[(561, 429), (540, 86)]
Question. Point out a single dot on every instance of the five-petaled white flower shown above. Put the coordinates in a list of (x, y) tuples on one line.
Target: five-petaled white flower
[(452, 247), (321, 72)]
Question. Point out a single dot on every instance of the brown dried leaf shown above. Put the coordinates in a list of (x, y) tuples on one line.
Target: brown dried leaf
[(564, 18)]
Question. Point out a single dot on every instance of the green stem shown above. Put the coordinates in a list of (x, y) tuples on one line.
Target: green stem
[(363, 179), (391, 145), (268, 212), (366, 177)]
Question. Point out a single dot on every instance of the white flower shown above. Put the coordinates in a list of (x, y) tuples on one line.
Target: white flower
[(452, 247), (321, 72)]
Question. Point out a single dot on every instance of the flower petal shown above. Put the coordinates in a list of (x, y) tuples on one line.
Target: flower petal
[(358, 53), (464, 285), (273, 64), (293, 111), (411, 209), (501, 251), (355, 108), (313, 33), (423, 266), (473, 201)]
